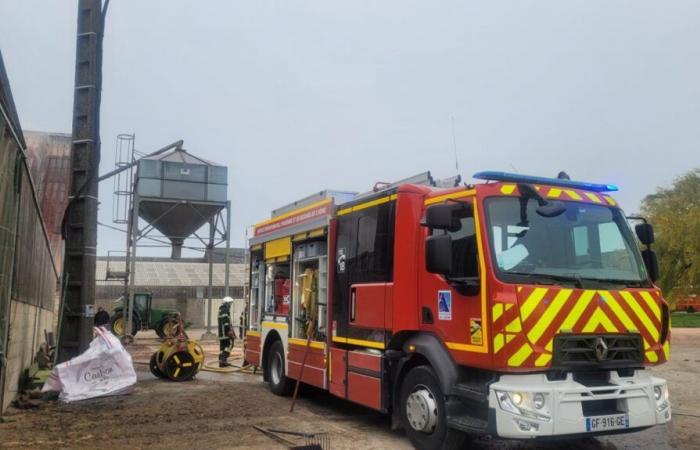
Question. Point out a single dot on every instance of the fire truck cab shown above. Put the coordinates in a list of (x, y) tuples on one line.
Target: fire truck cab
[(521, 307)]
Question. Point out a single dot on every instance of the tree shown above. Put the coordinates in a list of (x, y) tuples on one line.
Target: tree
[(675, 214)]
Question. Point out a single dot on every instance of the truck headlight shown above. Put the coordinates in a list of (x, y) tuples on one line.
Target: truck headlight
[(538, 401), (506, 402), (516, 397), (661, 397), (525, 404)]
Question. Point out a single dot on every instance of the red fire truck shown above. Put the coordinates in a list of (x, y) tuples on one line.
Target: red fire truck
[(521, 307)]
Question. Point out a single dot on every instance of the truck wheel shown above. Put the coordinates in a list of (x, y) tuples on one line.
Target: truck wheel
[(280, 384), (423, 412), (690, 310), (118, 325)]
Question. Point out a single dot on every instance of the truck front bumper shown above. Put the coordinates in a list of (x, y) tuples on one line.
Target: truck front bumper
[(530, 406)]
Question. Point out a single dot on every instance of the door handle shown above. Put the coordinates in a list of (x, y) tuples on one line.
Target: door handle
[(352, 305)]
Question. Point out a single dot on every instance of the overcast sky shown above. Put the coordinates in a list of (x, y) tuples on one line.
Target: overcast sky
[(298, 96)]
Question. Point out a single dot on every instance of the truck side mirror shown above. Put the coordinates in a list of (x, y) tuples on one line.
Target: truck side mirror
[(446, 216), (438, 254), (651, 262), (645, 233)]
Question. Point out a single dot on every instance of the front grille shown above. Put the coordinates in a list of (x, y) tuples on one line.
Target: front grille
[(597, 351)]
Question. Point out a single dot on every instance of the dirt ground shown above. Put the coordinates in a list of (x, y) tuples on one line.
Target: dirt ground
[(219, 411)]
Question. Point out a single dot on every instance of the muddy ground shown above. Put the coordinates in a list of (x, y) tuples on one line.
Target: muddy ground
[(220, 410)]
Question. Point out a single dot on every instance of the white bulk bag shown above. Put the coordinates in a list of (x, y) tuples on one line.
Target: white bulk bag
[(105, 368)]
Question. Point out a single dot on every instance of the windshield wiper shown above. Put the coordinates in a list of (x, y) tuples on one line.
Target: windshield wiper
[(628, 283), (576, 280)]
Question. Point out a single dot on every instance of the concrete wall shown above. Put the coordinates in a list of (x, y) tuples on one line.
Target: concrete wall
[(26, 334)]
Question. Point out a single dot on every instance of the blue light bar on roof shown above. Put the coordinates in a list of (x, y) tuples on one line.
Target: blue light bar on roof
[(517, 178)]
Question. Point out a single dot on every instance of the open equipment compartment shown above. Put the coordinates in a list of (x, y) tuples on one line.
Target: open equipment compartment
[(310, 294)]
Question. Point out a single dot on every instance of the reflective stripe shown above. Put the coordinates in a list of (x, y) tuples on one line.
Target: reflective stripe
[(653, 306), (507, 189), (514, 326), (554, 193), (575, 314), (617, 309), (312, 344), (610, 200), (543, 359), (278, 325), (497, 342), (497, 311), (599, 318), (366, 205), (593, 197), (452, 195), (652, 356), (573, 194), (546, 319), (520, 356), (532, 301), (634, 305), (371, 344)]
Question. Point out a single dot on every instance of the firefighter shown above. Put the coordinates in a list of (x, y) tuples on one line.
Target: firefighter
[(226, 333)]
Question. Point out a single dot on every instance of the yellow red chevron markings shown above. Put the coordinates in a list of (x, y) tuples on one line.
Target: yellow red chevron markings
[(526, 339)]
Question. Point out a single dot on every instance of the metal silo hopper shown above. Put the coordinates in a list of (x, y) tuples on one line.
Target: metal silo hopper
[(178, 193)]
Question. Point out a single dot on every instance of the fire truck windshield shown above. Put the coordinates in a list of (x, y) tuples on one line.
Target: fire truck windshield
[(586, 242)]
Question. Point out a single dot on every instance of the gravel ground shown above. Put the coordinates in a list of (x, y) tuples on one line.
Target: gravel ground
[(220, 410)]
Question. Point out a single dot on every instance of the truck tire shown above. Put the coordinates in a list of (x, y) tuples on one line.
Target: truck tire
[(423, 412), (690, 310), (280, 384), (118, 325)]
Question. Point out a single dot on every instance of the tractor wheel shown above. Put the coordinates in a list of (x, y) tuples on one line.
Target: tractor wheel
[(164, 328), (118, 325), (180, 366), (280, 384), (690, 310), (423, 412), (154, 367)]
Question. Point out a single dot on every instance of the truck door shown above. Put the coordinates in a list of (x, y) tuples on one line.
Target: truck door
[(363, 271), (456, 312)]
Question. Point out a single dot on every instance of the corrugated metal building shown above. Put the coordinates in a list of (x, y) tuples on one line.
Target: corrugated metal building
[(28, 276), (179, 284)]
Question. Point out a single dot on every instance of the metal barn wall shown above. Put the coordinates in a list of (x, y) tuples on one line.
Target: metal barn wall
[(28, 276), (8, 224)]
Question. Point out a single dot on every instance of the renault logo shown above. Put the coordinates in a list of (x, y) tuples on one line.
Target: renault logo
[(601, 349)]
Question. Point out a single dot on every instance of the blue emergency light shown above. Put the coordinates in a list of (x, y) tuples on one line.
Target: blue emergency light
[(490, 175)]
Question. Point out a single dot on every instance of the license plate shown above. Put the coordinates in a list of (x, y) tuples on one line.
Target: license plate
[(604, 423)]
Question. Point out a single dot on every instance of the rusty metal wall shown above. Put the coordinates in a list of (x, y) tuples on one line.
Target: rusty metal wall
[(28, 276), (48, 157)]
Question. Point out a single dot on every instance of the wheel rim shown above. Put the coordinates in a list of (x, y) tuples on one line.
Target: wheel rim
[(276, 368), (421, 410), (118, 326)]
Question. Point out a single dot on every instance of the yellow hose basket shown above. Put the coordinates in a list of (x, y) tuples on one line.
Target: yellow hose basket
[(178, 361)]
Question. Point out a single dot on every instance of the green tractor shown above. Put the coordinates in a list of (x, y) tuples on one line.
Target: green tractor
[(144, 317)]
